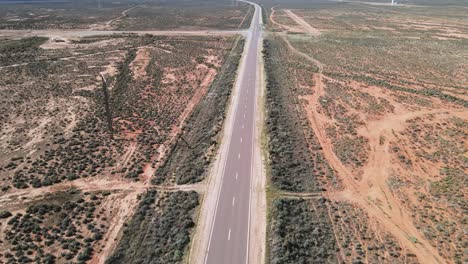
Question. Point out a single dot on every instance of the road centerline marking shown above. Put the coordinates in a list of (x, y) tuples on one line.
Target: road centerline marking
[(229, 234)]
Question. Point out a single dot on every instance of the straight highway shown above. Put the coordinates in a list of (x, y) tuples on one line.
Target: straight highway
[(229, 233)]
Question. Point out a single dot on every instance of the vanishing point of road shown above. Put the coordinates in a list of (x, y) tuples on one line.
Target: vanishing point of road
[(229, 235)]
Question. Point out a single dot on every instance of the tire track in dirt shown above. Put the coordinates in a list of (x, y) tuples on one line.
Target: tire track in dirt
[(283, 26), (396, 221), (299, 20), (108, 24)]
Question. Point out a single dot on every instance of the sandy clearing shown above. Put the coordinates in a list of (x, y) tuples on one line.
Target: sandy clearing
[(17, 197), (299, 20), (140, 63), (148, 172), (126, 203), (371, 191)]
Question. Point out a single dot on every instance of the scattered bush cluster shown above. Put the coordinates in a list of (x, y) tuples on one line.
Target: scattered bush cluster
[(66, 221), (189, 159), (90, 156), (15, 51), (159, 231), (300, 232), (430, 92), (357, 238), (75, 141)]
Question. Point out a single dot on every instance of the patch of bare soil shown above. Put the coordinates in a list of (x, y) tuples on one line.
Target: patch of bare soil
[(391, 160), (122, 206), (140, 63)]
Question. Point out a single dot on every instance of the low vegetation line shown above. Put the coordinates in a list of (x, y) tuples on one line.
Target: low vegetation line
[(158, 234), (245, 23), (291, 167), (298, 226)]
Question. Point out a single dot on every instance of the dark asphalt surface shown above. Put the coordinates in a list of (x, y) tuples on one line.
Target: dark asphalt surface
[(230, 231)]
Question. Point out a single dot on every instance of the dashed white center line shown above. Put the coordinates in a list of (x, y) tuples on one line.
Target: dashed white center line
[(242, 126), (237, 175), (229, 234), (244, 115), (241, 139), (233, 201), (238, 156)]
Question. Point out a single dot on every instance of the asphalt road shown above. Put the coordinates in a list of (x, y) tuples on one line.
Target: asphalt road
[(228, 242)]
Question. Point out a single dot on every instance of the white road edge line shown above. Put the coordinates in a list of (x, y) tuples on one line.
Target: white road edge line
[(234, 109), (233, 201), (258, 9), (229, 234), (239, 86)]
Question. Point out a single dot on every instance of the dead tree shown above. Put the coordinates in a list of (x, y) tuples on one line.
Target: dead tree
[(186, 143), (106, 104)]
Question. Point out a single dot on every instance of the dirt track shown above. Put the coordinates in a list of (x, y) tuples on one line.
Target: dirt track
[(299, 20), (370, 191)]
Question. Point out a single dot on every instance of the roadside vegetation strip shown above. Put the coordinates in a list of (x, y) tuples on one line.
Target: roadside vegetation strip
[(290, 160), (245, 23), (72, 219), (300, 232), (298, 226), (265, 19), (159, 231), (190, 157)]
